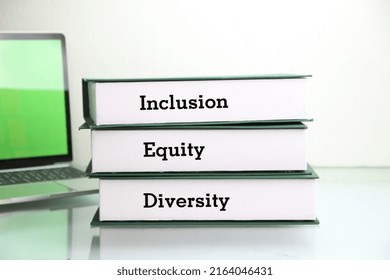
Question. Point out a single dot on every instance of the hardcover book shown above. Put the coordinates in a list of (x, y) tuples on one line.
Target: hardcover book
[(194, 100), (252, 196), (250, 147)]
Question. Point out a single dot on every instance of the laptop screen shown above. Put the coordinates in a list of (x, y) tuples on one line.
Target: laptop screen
[(34, 105)]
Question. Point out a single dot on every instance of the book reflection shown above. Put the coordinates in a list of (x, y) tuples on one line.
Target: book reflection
[(279, 242)]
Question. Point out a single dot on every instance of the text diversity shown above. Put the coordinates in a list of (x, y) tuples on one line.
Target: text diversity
[(152, 200)]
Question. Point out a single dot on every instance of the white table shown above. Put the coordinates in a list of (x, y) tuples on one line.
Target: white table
[(353, 209)]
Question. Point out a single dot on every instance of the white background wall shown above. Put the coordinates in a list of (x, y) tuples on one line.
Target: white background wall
[(344, 44)]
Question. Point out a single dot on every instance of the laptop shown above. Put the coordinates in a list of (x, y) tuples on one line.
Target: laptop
[(35, 132)]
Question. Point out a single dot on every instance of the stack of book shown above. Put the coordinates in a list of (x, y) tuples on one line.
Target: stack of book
[(214, 150)]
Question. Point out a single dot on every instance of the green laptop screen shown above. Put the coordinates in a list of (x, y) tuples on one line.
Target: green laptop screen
[(32, 100)]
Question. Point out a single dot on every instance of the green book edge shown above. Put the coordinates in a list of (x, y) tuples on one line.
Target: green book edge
[(200, 78), (198, 125), (192, 223), (309, 173)]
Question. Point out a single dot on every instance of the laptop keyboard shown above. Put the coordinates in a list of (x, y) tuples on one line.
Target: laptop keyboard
[(39, 175)]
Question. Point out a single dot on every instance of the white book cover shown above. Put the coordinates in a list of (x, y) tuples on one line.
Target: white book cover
[(207, 199), (184, 101), (160, 150)]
